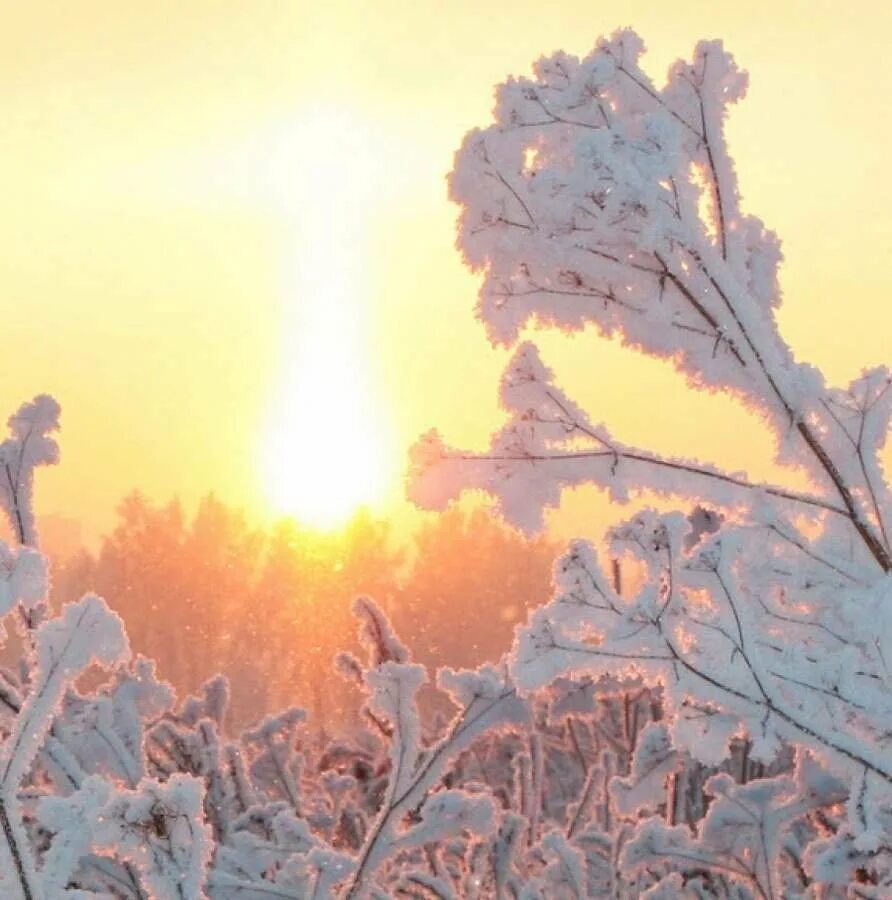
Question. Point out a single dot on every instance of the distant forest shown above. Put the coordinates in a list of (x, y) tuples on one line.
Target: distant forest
[(271, 608)]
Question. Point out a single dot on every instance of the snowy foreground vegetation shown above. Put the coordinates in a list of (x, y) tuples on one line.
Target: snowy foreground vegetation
[(721, 730)]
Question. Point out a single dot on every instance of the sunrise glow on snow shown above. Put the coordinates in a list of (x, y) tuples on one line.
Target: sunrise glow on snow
[(446, 451)]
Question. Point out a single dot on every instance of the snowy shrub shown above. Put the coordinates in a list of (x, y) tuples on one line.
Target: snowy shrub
[(598, 198), (110, 788), (115, 791)]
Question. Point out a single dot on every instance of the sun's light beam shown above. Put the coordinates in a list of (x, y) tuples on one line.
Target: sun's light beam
[(324, 451)]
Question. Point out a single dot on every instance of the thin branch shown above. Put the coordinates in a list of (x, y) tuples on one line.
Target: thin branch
[(15, 851), (774, 491), (873, 544)]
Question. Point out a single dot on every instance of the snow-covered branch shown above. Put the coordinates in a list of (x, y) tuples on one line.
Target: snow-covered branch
[(598, 197)]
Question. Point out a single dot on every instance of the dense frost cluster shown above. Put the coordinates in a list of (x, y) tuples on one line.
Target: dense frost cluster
[(721, 730), (110, 789), (115, 791), (598, 198)]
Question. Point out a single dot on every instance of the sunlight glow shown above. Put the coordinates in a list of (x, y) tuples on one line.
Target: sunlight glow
[(325, 453)]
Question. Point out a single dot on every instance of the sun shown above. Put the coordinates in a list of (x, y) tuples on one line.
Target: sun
[(324, 455), (324, 449)]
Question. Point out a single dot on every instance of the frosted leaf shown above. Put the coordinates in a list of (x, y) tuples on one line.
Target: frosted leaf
[(23, 578), (85, 632), (653, 762), (450, 812), (30, 444), (377, 634), (160, 830)]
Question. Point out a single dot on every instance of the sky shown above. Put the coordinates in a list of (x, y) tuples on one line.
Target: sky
[(227, 249)]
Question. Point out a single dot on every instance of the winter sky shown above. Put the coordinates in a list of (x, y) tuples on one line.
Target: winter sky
[(228, 251)]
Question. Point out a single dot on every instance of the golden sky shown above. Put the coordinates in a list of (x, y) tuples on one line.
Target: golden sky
[(185, 183)]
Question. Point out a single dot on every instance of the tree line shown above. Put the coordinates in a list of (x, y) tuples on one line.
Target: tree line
[(270, 607)]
